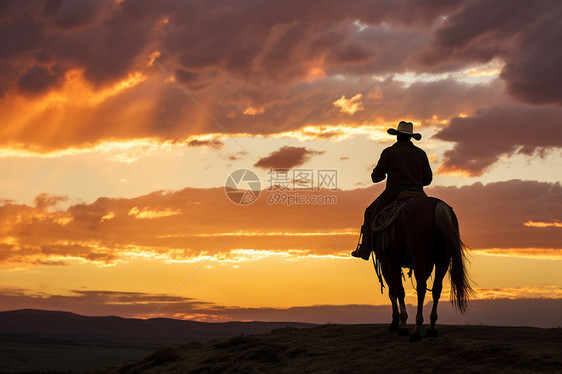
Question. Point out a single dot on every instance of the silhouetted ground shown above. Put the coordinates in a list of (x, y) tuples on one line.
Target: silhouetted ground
[(49, 341), (365, 348)]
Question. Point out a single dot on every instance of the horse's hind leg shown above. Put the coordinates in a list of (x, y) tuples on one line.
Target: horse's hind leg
[(440, 271)]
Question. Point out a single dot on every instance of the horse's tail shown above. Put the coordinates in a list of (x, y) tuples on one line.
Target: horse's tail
[(447, 224)]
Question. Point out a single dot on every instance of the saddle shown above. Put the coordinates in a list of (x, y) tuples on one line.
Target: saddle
[(389, 213)]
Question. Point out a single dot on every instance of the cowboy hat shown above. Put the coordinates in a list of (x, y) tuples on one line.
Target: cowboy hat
[(405, 128)]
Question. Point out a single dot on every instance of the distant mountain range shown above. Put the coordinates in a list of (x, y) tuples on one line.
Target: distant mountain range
[(64, 327), (37, 340)]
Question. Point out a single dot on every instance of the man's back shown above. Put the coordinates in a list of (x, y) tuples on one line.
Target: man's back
[(406, 166)]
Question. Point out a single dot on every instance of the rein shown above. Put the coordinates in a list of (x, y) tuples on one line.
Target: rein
[(412, 280), (378, 270)]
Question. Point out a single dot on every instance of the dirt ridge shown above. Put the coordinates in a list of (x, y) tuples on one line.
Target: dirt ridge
[(364, 348)]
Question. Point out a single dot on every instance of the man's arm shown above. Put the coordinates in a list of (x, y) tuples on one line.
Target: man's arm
[(379, 172)]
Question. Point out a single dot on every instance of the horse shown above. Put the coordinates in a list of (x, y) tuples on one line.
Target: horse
[(425, 235)]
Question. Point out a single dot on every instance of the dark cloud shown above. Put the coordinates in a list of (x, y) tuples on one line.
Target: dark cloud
[(255, 42), (252, 43), (234, 156), (107, 39), (98, 302), (459, 37), (269, 69), (40, 79), (99, 38), (286, 157), (533, 72), (72, 14), (495, 131), (493, 215), (311, 103), (214, 143), (186, 77), (443, 98), (522, 34)]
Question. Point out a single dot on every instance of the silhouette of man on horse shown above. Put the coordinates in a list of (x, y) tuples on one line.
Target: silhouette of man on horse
[(406, 228), (406, 168)]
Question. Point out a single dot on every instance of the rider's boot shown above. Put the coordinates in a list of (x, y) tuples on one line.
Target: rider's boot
[(364, 247)]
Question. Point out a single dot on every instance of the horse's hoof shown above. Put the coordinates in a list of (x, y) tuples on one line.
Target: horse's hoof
[(393, 327), (415, 337), (431, 333), (403, 331)]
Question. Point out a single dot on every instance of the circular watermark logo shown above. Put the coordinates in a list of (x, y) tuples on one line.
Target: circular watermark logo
[(242, 186)]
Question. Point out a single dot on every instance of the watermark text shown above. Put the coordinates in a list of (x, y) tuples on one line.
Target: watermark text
[(294, 198)]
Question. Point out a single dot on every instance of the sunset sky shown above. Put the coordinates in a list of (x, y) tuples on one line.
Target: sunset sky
[(121, 120)]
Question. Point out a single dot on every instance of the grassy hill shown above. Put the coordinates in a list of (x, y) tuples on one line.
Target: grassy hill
[(364, 349)]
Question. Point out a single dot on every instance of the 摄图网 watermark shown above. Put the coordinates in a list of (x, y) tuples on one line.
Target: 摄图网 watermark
[(285, 186)]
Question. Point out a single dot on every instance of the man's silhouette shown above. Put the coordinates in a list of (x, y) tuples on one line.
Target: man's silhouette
[(406, 168)]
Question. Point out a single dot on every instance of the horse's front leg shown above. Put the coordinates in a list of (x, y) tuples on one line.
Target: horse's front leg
[(421, 287)]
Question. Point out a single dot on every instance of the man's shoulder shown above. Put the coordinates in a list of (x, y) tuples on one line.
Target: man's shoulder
[(402, 145), (414, 147), (418, 149), (388, 150), (408, 147)]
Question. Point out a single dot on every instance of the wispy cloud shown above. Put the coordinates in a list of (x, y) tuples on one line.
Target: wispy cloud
[(286, 157), (349, 106)]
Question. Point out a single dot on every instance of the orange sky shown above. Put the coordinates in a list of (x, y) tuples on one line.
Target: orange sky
[(121, 122)]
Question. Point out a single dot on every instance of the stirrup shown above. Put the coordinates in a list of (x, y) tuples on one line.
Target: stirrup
[(357, 252), (360, 241)]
